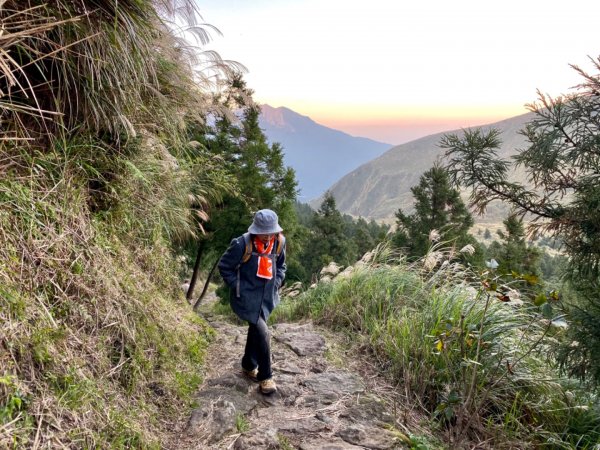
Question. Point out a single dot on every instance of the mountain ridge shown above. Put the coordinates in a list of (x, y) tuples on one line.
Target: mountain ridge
[(320, 155), (378, 188)]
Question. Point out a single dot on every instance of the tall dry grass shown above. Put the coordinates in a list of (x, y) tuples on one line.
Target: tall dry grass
[(481, 367), (102, 67), (97, 347)]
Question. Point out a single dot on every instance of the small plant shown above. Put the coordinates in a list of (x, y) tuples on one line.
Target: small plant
[(423, 443), (241, 423), (284, 442), (15, 402)]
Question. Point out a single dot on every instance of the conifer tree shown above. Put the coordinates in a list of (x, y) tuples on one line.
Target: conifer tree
[(328, 241), (438, 207), (363, 239), (562, 160), (516, 255), (512, 253)]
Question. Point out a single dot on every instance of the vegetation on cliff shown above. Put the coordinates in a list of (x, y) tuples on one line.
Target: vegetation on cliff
[(97, 348), (562, 161), (478, 362)]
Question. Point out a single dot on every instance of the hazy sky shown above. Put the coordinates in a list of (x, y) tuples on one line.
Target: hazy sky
[(395, 70)]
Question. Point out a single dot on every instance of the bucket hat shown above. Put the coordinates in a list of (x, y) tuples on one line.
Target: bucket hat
[(265, 222)]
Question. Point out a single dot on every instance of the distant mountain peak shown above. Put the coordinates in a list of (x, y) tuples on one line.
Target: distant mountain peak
[(285, 119), (319, 155), (276, 117)]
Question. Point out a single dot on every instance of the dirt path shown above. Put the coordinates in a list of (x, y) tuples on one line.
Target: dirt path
[(320, 404)]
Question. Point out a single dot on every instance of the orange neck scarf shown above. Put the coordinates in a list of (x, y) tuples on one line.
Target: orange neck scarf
[(265, 263)]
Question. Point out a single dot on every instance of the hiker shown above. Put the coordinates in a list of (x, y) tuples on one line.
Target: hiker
[(254, 268)]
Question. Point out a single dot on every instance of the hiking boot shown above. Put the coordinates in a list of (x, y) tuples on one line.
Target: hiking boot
[(268, 386), (251, 374)]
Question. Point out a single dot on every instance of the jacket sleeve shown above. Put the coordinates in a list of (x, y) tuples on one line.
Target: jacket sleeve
[(230, 261), (281, 268)]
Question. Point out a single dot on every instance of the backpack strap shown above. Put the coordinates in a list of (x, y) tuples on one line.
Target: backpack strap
[(247, 248), (280, 243)]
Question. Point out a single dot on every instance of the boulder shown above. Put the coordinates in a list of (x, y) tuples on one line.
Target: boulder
[(302, 342), (255, 439), (332, 269), (369, 437)]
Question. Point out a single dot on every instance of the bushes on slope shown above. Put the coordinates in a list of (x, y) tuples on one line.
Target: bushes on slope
[(479, 365), (97, 347)]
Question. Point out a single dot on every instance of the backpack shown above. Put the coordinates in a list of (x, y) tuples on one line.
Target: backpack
[(248, 253), (248, 246)]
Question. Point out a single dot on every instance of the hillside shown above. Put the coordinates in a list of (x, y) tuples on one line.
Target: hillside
[(318, 154), (98, 348), (378, 188)]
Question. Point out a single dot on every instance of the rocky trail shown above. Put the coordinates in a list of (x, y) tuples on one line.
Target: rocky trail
[(325, 399)]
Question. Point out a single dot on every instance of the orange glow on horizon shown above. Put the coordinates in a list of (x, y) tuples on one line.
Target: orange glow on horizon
[(403, 126), (385, 114)]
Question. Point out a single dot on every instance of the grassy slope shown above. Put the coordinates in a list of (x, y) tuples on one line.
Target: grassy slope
[(481, 368), (98, 347)]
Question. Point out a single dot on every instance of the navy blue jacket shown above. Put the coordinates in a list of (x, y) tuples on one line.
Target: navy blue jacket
[(249, 294)]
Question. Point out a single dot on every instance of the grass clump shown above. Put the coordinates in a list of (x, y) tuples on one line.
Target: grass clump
[(241, 423), (91, 318), (96, 342), (478, 365)]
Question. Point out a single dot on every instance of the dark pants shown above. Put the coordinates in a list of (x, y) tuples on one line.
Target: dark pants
[(258, 350)]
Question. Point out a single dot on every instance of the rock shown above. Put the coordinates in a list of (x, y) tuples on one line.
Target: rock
[(277, 356), (218, 325), (288, 367), (302, 341), (319, 365), (332, 269), (323, 418), (258, 439), (345, 273), (223, 419), (225, 329), (235, 332), (292, 327), (368, 409), (232, 380), (328, 387), (336, 383), (185, 286), (317, 400), (292, 291), (367, 257), (328, 444), (215, 420), (369, 437), (267, 415), (210, 397), (304, 426)]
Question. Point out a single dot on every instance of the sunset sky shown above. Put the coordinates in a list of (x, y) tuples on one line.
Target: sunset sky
[(396, 70)]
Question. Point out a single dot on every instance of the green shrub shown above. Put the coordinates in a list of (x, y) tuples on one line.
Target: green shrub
[(474, 362)]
